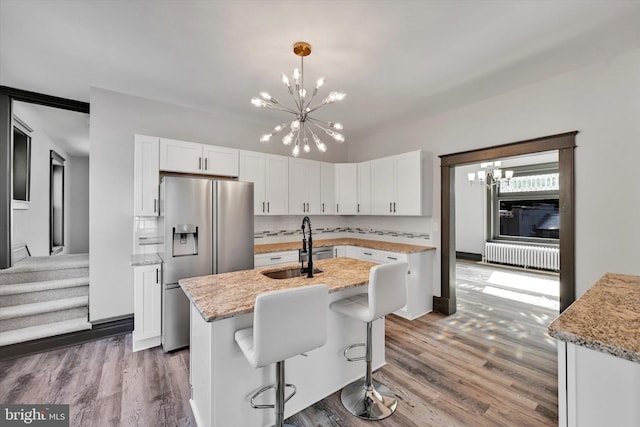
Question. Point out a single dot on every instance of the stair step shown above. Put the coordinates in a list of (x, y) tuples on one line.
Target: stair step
[(38, 269), (23, 288), (42, 307), (35, 332), (43, 318)]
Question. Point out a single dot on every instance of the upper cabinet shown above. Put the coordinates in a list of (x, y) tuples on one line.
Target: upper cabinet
[(146, 175), (346, 186), (402, 184), (191, 157), (327, 189), (304, 187), (364, 188), (270, 175)]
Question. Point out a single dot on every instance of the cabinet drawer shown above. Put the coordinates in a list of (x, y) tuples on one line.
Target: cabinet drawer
[(275, 258), (374, 255)]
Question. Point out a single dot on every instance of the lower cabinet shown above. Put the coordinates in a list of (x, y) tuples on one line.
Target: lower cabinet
[(147, 306), (339, 251), (275, 258), (596, 389), (419, 279)]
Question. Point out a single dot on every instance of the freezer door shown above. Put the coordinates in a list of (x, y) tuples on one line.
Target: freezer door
[(175, 318), (233, 226), (186, 208)]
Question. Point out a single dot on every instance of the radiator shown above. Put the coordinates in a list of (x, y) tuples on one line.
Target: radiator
[(527, 256)]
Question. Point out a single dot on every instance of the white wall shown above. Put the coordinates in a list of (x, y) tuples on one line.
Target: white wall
[(470, 224), (115, 118), (78, 208), (31, 226), (602, 102)]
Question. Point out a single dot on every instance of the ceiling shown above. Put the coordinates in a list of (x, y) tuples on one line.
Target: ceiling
[(396, 60)]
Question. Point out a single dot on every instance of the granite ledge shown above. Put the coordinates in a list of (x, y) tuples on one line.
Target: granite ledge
[(606, 318), (138, 260), (404, 248)]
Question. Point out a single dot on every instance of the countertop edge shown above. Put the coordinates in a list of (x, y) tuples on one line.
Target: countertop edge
[(348, 241), (594, 345)]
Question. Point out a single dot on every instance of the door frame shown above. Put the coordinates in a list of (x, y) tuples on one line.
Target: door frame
[(565, 144), (7, 96)]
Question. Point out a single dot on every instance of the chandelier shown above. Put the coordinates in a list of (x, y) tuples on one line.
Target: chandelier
[(301, 128), (491, 174)]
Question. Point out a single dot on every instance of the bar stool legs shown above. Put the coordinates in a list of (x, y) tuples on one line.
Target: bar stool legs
[(369, 400), (280, 387)]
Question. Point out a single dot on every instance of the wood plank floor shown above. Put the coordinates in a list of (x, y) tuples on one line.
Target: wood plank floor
[(491, 363)]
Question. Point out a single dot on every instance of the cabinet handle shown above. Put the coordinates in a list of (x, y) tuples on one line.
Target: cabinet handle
[(199, 163), (367, 253), (307, 207), (157, 275), (304, 207), (275, 258), (335, 253), (155, 205), (390, 207), (262, 206), (337, 207), (393, 258), (206, 163), (267, 207), (323, 208), (358, 207), (394, 207)]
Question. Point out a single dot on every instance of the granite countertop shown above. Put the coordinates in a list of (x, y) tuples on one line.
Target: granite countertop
[(138, 260), (371, 244), (606, 318), (227, 295)]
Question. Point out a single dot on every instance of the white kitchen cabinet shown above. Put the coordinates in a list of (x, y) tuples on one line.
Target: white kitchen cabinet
[(346, 186), (275, 258), (364, 188), (304, 187), (419, 278), (147, 306), (327, 189), (596, 389), (402, 184), (146, 176), (220, 161), (339, 251), (270, 176), (191, 157)]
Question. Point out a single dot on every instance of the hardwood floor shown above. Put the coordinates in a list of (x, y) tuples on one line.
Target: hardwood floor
[(491, 363)]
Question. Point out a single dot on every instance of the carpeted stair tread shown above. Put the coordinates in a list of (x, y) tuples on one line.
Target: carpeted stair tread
[(23, 288), (42, 307), (43, 331), (42, 263)]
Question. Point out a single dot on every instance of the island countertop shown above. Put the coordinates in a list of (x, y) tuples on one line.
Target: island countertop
[(225, 295), (606, 318), (371, 244)]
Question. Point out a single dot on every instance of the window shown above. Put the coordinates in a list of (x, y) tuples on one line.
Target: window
[(21, 162), (527, 207)]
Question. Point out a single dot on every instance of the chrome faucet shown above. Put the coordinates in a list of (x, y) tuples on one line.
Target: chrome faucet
[(309, 269)]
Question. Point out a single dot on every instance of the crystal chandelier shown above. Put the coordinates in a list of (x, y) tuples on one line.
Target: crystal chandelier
[(491, 174), (301, 127)]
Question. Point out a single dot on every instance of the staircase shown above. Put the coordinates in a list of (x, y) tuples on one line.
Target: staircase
[(44, 296)]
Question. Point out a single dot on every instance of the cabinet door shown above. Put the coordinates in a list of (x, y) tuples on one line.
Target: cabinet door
[(252, 169), (327, 189), (180, 156), (339, 251), (146, 176), (277, 184), (298, 186), (408, 184), (220, 161), (346, 186), (382, 186), (364, 188), (313, 188), (147, 302)]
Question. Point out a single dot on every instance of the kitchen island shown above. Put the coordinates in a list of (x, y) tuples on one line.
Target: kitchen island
[(222, 380), (599, 355)]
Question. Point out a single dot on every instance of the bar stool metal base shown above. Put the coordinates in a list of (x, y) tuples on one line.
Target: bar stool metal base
[(373, 403)]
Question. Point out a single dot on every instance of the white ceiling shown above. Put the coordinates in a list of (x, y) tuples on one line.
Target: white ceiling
[(395, 59)]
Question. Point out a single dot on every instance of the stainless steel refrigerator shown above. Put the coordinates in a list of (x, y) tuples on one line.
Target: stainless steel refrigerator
[(208, 229)]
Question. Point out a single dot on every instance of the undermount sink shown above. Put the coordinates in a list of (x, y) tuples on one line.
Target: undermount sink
[(288, 273)]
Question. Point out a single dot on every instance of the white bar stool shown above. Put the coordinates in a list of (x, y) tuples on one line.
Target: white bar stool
[(286, 323), (387, 292)]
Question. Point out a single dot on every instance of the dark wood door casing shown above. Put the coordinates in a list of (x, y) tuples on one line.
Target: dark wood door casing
[(565, 144)]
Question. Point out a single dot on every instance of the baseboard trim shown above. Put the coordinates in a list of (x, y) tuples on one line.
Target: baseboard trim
[(470, 256), (98, 331), (444, 305)]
